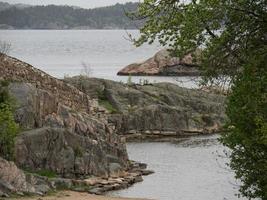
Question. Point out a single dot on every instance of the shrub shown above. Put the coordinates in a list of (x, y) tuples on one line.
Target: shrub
[(8, 126)]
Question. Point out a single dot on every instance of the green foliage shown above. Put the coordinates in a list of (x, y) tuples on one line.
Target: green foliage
[(219, 33), (247, 136), (8, 126), (228, 39)]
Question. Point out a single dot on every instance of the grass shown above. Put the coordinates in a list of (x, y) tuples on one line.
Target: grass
[(43, 172), (103, 101), (46, 173), (106, 104)]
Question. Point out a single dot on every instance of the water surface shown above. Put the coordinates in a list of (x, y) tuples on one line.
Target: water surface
[(66, 52), (190, 170)]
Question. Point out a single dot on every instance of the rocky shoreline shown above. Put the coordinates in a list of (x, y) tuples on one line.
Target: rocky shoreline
[(162, 64), (166, 136), (155, 110), (74, 131), (66, 141), (13, 183)]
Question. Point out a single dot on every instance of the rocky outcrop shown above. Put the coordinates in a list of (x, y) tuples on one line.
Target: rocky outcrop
[(65, 131), (15, 181), (163, 64), (158, 110)]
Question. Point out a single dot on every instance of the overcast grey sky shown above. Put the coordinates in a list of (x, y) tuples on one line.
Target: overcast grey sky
[(81, 3)]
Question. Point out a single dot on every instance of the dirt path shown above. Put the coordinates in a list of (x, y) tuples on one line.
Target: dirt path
[(69, 195)]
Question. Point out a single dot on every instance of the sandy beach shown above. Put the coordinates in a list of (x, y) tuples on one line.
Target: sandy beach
[(70, 195)]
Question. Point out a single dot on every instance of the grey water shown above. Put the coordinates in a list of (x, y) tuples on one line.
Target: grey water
[(194, 169), (65, 52)]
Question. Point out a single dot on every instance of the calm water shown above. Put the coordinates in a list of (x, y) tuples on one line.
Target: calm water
[(191, 170), (64, 52)]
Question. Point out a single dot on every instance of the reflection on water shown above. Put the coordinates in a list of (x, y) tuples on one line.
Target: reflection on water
[(188, 170)]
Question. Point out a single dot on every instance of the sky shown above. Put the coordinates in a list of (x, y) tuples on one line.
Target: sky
[(80, 3)]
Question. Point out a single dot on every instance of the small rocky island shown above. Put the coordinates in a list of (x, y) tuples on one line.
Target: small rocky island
[(162, 64), (74, 131)]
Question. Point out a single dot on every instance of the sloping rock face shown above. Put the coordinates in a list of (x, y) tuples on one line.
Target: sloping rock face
[(15, 181), (65, 131), (15, 70), (162, 64), (158, 109)]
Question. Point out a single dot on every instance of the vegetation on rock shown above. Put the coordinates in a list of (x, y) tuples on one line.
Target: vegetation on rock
[(232, 38), (8, 126)]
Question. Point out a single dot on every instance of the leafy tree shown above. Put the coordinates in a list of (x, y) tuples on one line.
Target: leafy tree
[(229, 40), (8, 127), (247, 110)]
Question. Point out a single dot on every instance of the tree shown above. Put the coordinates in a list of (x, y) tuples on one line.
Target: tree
[(8, 126), (229, 40)]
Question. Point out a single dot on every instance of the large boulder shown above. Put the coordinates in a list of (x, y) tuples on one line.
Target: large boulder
[(163, 64)]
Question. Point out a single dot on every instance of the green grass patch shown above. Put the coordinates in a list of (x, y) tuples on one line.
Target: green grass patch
[(43, 172), (46, 173), (103, 101), (106, 104)]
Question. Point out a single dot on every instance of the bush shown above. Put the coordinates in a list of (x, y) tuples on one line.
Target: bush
[(8, 126)]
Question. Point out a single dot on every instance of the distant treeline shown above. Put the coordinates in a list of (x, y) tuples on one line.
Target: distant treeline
[(66, 17)]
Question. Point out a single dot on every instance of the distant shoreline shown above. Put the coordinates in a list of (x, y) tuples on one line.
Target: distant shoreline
[(115, 29), (62, 17)]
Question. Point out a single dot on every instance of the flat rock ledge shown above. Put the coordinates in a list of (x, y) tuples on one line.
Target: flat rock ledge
[(101, 185), (39, 185), (162, 136)]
